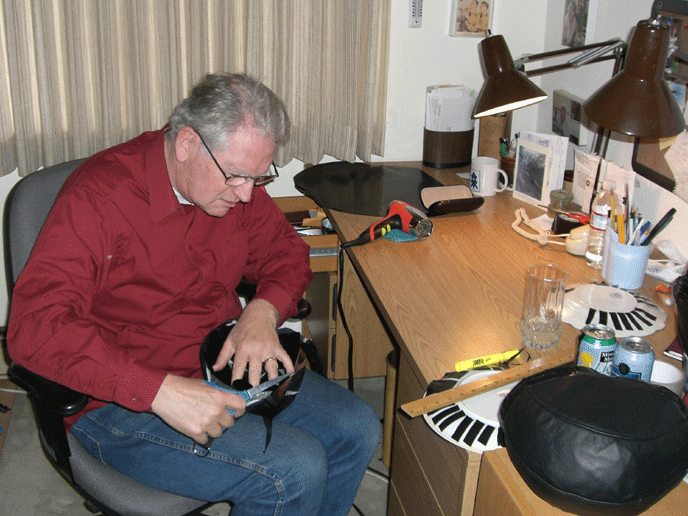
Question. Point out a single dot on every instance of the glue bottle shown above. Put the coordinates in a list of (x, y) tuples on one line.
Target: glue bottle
[(599, 215)]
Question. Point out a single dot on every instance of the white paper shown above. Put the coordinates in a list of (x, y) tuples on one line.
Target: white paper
[(558, 147), (677, 159), (584, 173), (449, 108), (623, 178)]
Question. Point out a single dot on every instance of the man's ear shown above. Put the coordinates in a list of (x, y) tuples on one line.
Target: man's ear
[(186, 144)]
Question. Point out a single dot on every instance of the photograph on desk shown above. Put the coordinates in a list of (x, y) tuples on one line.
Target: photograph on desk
[(532, 163), (471, 17)]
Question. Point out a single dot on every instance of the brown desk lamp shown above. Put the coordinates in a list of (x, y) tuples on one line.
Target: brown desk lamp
[(636, 101)]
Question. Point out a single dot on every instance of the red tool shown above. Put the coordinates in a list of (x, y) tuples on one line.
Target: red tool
[(399, 216)]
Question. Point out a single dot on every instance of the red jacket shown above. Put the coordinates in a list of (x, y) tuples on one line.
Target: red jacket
[(125, 282)]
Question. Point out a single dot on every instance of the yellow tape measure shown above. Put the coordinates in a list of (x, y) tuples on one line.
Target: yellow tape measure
[(462, 392)]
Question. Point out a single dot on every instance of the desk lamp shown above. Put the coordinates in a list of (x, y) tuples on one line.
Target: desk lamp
[(637, 101), (507, 85)]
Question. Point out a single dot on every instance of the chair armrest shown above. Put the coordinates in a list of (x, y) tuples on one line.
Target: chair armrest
[(304, 309), (247, 290), (63, 400)]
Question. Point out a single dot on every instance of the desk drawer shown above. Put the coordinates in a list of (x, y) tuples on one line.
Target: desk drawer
[(415, 496), (450, 472)]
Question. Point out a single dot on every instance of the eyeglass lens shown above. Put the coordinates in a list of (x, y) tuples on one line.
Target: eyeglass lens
[(237, 179)]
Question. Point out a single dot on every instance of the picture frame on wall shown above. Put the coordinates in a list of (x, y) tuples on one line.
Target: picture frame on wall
[(568, 117), (580, 18), (471, 18)]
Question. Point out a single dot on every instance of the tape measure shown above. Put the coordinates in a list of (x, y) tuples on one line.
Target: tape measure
[(462, 392)]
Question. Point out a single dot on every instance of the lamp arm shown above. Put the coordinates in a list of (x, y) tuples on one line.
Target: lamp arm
[(681, 56), (555, 68), (591, 54), (679, 76)]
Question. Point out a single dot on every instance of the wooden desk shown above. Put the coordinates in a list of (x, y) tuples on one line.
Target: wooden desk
[(453, 296)]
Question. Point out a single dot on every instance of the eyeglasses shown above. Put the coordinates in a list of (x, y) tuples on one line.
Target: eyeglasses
[(240, 179)]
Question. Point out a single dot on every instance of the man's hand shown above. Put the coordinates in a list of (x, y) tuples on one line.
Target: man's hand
[(254, 341), (196, 409)]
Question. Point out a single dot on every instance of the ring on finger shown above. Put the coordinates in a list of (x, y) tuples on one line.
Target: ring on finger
[(269, 359)]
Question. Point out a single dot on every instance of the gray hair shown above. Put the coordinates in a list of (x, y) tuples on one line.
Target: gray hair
[(220, 104)]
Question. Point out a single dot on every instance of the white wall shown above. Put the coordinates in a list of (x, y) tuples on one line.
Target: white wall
[(427, 56)]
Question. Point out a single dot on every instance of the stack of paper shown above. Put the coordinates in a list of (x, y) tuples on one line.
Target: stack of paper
[(449, 108), (585, 177)]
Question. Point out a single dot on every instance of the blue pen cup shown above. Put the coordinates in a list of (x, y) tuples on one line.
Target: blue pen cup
[(623, 266)]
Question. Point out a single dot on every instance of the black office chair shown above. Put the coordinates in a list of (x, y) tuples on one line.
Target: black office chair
[(104, 489)]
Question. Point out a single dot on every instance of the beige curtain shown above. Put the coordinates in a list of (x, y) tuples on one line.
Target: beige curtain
[(78, 76)]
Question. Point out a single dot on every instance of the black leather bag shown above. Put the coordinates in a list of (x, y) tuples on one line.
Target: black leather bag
[(282, 394), (592, 444)]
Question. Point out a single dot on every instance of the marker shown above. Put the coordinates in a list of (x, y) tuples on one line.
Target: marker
[(487, 360), (659, 227)]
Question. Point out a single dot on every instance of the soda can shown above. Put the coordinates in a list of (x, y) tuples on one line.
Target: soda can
[(597, 347), (634, 358)]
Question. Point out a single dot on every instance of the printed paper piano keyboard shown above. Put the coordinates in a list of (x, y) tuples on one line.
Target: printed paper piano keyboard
[(472, 423), (630, 314)]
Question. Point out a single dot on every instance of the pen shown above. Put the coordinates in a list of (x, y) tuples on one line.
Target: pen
[(644, 229), (659, 227), (637, 230), (504, 146), (627, 206)]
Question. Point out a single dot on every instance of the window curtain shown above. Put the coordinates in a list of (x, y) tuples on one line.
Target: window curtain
[(78, 76)]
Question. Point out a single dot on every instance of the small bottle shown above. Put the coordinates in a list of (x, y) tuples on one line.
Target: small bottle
[(599, 215)]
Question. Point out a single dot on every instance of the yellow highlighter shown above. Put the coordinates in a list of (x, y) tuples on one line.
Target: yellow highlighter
[(487, 360)]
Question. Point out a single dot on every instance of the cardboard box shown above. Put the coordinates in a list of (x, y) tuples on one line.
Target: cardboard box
[(323, 247)]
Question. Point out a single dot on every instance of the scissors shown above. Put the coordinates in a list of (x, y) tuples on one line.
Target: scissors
[(583, 218), (252, 395)]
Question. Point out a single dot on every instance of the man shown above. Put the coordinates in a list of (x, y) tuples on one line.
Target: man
[(473, 17), (137, 262)]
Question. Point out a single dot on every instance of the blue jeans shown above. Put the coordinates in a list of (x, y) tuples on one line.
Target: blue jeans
[(320, 449)]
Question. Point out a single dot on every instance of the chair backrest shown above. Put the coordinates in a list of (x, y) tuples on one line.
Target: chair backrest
[(104, 488), (26, 209)]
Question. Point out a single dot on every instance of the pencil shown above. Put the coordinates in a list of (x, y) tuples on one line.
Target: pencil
[(613, 214), (622, 228)]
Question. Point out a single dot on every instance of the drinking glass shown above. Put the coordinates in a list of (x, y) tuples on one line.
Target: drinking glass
[(542, 306)]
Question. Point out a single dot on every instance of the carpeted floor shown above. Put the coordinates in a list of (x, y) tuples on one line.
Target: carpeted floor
[(29, 486)]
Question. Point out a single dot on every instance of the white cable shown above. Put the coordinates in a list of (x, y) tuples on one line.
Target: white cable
[(541, 236), (377, 475), (13, 391)]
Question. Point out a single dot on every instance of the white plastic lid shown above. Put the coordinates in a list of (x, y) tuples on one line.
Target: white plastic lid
[(608, 184)]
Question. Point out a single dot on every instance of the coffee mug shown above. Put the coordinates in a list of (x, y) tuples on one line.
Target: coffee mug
[(485, 174)]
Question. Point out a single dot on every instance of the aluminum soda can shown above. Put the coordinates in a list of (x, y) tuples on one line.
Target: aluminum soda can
[(597, 347), (634, 358)]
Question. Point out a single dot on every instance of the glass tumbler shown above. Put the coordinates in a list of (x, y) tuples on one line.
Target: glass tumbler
[(542, 306)]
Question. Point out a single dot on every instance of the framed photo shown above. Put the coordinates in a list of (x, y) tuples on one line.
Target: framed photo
[(568, 117), (471, 17), (580, 17), (530, 180)]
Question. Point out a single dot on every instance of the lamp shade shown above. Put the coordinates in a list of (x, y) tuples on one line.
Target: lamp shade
[(637, 101), (505, 87)]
